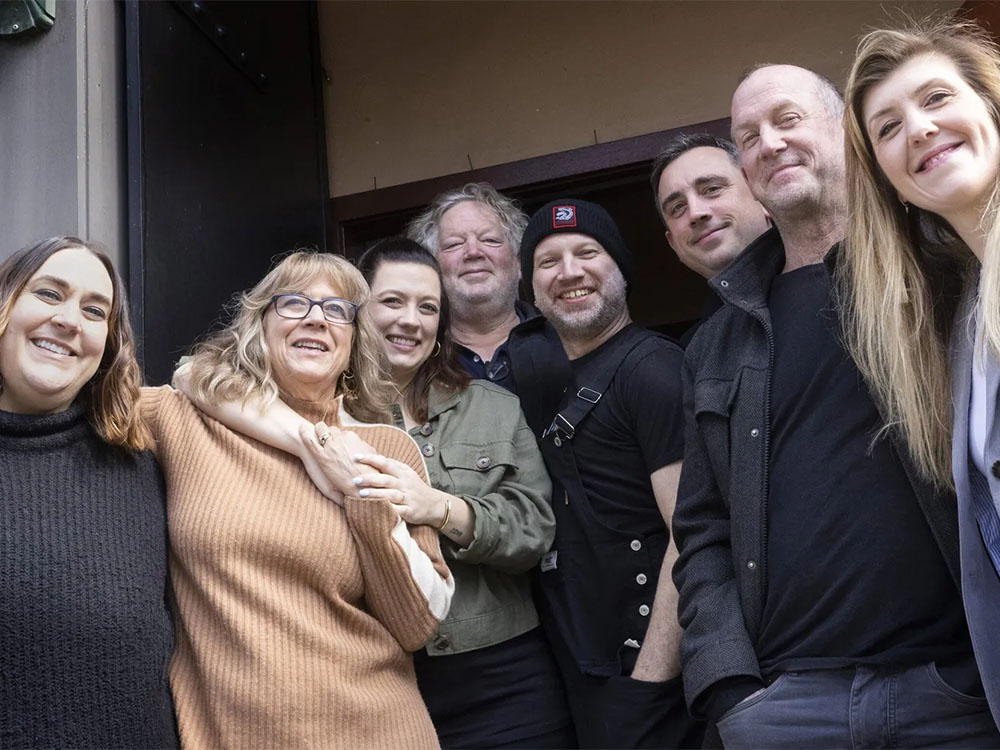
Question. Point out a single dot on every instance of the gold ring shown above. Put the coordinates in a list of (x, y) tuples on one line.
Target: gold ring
[(323, 438)]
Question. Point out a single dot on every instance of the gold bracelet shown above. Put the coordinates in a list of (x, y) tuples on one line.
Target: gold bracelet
[(447, 513)]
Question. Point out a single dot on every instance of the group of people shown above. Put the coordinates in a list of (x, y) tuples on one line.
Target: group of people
[(391, 504)]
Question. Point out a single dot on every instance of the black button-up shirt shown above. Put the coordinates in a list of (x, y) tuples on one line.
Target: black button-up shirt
[(497, 369)]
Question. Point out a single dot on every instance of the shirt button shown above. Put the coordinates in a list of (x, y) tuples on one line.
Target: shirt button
[(483, 463), (441, 642), (996, 469), (754, 432), (641, 579), (635, 544), (476, 359), (426, 429), (643, 610), (427, 450), (751, 565)]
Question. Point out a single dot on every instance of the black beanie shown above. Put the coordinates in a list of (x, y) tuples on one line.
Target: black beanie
[(580, 217)]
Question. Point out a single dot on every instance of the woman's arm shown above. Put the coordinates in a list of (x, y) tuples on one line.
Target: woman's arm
[(407, 584), (330, 466), (415, 500), (507, 524), (515, 524)]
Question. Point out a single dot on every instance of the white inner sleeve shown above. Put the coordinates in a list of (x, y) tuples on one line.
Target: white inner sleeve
[(437, 590)]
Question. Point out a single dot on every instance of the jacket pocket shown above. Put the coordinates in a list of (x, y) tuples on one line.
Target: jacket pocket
[(477, 465), (713, 406)]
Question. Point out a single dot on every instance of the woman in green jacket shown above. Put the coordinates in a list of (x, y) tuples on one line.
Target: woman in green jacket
[(487, 675)]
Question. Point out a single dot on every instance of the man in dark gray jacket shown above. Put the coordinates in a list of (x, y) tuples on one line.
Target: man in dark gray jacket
[(817, 571), (707, 208)]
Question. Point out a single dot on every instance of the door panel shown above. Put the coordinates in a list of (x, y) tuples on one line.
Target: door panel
[(226, 158)]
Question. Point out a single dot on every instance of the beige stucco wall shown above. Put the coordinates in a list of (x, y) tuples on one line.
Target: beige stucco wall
[(420, 89)]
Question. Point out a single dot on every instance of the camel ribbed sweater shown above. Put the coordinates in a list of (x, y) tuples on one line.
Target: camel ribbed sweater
[(295, 615)]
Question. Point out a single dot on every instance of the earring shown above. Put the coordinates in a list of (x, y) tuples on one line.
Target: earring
[(348, 385), (437, 349)]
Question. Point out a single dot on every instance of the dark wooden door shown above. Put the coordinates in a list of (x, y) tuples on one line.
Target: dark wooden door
[(226, 158)]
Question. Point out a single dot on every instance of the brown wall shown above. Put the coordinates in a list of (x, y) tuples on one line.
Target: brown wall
[(421, 89)]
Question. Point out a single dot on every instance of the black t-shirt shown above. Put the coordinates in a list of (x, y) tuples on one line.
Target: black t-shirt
[(853, 573), (636, 428)]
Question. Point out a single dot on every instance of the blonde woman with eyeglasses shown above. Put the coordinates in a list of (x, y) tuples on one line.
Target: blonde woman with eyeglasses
[(296, 614)]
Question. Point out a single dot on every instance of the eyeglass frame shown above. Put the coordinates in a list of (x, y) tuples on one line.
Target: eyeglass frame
[(312, 303)]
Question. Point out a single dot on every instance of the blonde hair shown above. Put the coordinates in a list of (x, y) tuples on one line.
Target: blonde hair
[(235, 362), (902, 269), (112, 394)]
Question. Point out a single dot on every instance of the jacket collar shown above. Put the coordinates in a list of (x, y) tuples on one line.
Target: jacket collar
[(525, 310), (440, 401), (530, 318), (746, 281)]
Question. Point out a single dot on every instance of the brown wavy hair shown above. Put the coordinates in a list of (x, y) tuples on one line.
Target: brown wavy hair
[(112, 395), (234, 363), (444, 370)]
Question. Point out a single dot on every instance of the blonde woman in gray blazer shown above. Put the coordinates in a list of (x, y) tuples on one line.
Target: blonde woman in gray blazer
[(923, 166)]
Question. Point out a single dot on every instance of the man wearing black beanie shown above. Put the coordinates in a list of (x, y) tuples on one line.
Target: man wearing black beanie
[(613, 450)]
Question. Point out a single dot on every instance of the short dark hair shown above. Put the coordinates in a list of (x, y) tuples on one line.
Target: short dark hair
[(444, 369), (679, 145)]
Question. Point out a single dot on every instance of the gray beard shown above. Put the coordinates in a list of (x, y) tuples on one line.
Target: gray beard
[(580, 327), (493, 308)]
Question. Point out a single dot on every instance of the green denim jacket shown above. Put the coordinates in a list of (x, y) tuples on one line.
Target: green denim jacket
[(477, 446)]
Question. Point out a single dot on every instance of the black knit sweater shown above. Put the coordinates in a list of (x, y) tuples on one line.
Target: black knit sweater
[(85, 633)]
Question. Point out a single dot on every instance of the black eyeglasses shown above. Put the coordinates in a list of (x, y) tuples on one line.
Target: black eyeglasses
[(298, 306)]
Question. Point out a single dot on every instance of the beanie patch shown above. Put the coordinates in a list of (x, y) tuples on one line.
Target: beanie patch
[(563, 217), (573, 216)]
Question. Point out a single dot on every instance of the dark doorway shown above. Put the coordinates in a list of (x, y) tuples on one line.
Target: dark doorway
[(667, 296), (226, 154)]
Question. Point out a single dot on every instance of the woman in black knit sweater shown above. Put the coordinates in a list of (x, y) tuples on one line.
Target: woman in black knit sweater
[(85, 633)]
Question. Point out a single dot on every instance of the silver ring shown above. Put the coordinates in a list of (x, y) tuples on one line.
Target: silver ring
[(323, 438)]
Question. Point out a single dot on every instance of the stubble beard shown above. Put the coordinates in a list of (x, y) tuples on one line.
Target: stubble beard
[(483, 305), (814, 195), (584, 325)]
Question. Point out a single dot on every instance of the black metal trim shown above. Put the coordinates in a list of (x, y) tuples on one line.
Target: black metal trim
[(221, 38), (318, 76), (135, 173)]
